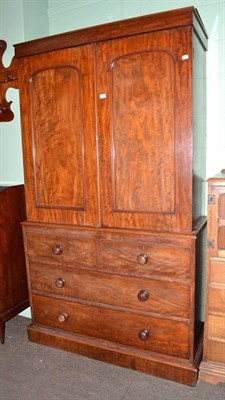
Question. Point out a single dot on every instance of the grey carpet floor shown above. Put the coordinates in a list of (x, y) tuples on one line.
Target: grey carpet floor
[(33, 372)]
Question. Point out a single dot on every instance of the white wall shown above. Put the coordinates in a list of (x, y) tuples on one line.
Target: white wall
[(11, 30), (20, 20)]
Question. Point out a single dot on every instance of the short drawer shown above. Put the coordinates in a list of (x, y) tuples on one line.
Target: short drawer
[(130, 329), (61, 249), (146, 260), (123, 291), (216, 296)]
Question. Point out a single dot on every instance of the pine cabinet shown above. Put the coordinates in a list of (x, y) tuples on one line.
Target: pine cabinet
[(113, 126), (213, 366)]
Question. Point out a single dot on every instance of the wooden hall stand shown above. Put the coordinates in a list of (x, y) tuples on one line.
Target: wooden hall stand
[(213, 366), (113, 130), (13, 280)]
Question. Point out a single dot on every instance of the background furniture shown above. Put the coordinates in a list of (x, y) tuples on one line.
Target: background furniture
[(13, 280), (113, 121), (213, 365)]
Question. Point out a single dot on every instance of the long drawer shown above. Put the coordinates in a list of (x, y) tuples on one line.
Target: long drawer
[(146, 260), (113, 325), (62, 249), (122, 291)]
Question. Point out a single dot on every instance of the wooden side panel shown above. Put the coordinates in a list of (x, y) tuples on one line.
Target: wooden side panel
[(221, 229), (221, 206), (216, 298), (217, 274), (13, 279), (59, 143), (221, 238), (216, 212), (145, 127), (216, 328), (199, 128), (216, 352)]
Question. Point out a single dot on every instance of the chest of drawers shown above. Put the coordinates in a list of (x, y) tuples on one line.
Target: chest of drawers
[(130, 293)]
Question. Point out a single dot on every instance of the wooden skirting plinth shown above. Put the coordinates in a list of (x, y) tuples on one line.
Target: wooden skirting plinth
[(212, 372), (172, 369)]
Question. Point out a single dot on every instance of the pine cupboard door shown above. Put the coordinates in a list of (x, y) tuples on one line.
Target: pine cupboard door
[(59, 141), (145, 130), (216, 213)]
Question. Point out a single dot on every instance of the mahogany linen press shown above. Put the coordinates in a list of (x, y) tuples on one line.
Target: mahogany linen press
[(113, 130)]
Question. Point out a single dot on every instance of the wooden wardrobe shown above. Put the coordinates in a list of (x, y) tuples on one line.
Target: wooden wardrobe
[(113, 126)]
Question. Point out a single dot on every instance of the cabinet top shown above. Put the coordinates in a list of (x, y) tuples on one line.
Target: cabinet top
[(177, 18), (218, 177)]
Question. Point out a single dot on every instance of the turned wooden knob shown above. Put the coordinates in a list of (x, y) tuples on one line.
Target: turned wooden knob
[(59, 283), (144, 334), (142, 258), (143, 295), (57, 250), (62, 317)]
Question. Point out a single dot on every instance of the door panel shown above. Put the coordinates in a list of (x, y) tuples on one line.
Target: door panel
[(216, 220), (145, 127), (143, 121), (58, 139), (59, 136)]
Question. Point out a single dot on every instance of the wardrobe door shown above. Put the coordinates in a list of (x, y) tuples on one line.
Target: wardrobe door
[(144, 106), (57, 102)]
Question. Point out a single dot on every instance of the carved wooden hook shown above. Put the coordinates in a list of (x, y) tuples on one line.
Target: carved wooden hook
[(8, 79)]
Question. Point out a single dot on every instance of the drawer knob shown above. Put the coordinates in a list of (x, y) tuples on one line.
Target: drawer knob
[(57, 250), (63, 317), (144, 334), (143, 295), (142, 258), (59, 283)]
